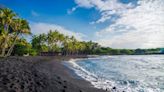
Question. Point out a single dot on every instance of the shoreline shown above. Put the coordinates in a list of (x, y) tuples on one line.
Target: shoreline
[(41, 74), (104, 84)]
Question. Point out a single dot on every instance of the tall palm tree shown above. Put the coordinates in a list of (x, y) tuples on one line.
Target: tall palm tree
[(42, 41), (19, 27), (55, 40), (61, 38), (65, 45), (6, 18), (82, 47), (50, 39)]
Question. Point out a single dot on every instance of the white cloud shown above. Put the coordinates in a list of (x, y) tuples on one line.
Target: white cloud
[(103, 5), (70, 11), (107, 8), (84, 3), (38, 28), (140, 27)]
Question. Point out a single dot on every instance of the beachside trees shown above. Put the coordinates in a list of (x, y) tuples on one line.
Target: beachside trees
[(19, 27), (67, 45), (6, 18), (54, 40), (39, 43), (11, 27), (22, 47)]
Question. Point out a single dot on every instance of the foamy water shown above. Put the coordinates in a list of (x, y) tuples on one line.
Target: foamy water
[(126, 73)]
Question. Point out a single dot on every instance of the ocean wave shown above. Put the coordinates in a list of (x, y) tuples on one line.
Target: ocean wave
[(109, 85)]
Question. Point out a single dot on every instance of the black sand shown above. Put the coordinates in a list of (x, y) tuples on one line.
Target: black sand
[(40, 74)]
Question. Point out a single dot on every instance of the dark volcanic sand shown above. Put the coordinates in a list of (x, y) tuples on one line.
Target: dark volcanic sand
[(39, 74)]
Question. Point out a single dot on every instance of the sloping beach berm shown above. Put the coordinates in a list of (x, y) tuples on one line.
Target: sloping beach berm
[(40, 74)]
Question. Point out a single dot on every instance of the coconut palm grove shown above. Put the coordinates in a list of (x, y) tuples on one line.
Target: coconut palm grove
[(14, 31)]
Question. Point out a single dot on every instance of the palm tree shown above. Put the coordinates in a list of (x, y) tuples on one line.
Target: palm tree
[(42, 41), (6, 18), (82, 47), (19, 27), (61, 39), (50, 39), (65, 45), (55, 40), (39, 43), (73, 45)]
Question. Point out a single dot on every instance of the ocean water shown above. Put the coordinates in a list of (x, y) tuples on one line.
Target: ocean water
[(128, 73)]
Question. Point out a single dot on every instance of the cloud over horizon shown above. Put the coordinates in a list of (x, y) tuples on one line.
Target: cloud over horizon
[(40, 27), (140, 26)]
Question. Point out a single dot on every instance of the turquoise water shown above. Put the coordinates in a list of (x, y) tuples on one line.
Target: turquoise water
[(126, 73)]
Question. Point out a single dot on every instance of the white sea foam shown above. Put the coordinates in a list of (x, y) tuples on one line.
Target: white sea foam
[(103, 83), (95, 81)]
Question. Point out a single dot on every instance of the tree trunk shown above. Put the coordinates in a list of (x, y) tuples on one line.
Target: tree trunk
[(5, 42), (12, 46), (4, 47)]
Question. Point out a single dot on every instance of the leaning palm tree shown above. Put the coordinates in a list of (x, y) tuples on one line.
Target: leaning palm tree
[(6, 18), (19, 27)]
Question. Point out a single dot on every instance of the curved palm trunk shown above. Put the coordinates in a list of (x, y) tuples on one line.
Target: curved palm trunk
[(11, 48), (4, 48), (5, 42)]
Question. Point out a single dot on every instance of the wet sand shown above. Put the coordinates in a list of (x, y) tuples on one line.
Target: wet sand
[(40, 74)]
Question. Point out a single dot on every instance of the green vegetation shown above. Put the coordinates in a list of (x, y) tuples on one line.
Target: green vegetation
[(11, 29), (110, 51), (57, 42), (12, 41)]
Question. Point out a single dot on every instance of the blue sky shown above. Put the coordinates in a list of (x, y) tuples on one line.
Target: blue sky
[(108, 22), (54, 11)]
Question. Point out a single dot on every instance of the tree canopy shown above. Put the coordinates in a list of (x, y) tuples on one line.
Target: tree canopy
[(11, 29)]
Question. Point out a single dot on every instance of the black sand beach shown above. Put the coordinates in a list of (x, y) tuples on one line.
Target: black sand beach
[(40, 74)]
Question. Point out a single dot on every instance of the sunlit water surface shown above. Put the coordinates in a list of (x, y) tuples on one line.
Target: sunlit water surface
[(140, 73)]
